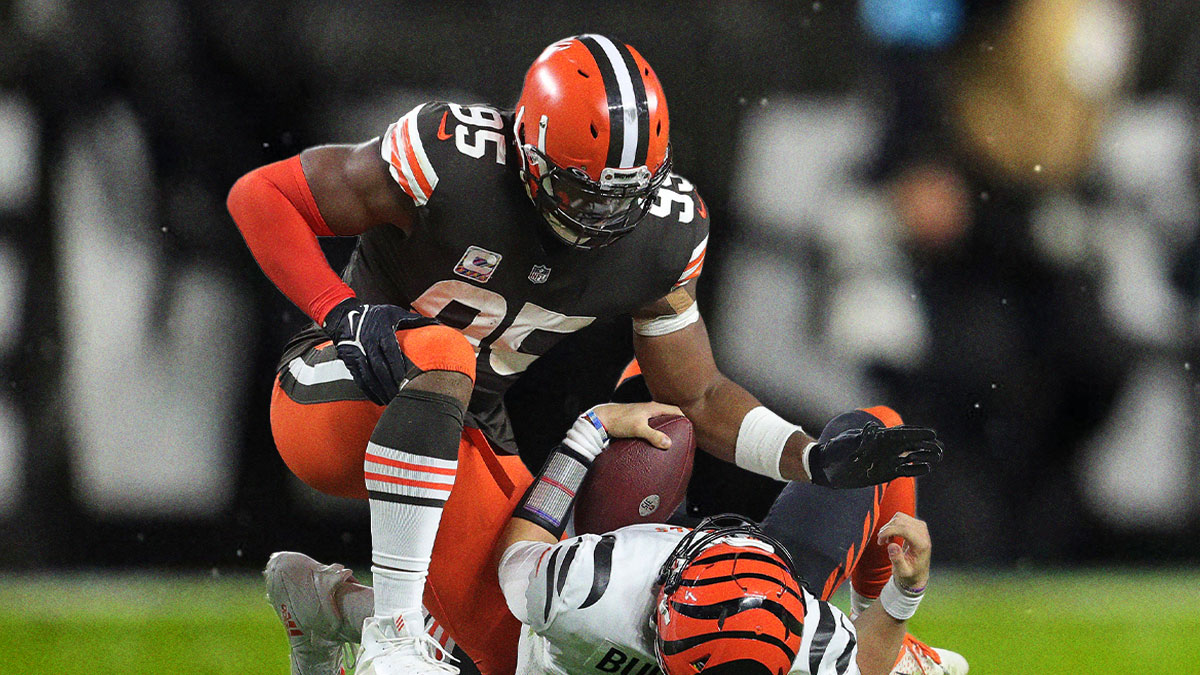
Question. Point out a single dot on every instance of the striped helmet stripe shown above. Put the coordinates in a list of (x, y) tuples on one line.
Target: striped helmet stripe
[(628, 120), (643, 108)]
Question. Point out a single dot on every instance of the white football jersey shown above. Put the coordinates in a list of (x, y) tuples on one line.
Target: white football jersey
[(587, 605)]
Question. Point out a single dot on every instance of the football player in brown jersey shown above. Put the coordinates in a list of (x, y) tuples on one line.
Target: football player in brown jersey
[(485, 236)]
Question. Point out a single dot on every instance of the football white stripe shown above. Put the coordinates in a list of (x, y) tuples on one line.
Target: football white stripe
[(628, 101), (330, 371)]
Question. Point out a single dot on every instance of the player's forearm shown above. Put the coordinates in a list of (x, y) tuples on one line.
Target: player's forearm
[(274, 211), (762, 443), (879, 640), (519, 530)]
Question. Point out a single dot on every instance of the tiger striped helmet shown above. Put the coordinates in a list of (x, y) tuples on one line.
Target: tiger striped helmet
[(730, 603), (592, 128)]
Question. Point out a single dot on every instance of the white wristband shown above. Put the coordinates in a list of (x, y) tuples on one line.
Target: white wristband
[(760, 442), (587, 436), (804, 459), (900, 604)]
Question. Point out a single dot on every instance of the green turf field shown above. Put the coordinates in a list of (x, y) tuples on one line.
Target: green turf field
[(1059, 622)]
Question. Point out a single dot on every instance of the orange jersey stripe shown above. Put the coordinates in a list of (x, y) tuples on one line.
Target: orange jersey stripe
[(399, 166), (413, 163), (404, 481), (693, 268)]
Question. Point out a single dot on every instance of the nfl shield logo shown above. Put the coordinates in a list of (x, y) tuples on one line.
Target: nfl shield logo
[(539, 274)]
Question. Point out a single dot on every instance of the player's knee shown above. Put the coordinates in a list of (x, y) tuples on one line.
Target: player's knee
[(438, 348), (889, 417), (448, 382)]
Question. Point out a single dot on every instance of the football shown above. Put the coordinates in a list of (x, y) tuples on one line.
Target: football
[(634, 482)]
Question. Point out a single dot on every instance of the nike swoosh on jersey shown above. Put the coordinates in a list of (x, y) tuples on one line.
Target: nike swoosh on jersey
[(441, 132)]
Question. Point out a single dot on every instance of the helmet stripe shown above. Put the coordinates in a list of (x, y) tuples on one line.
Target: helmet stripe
[(643, 108), (625, 106), (692, 583), (743, 555), (672, 647), (735, 606)]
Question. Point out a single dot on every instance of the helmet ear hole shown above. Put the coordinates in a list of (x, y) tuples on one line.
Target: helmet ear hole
[(580, 71), (595, 134), (658, 128)]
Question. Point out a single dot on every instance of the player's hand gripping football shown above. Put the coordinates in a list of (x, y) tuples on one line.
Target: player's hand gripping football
[(365, 338), (910, 556), (632, 420), (873, 454)]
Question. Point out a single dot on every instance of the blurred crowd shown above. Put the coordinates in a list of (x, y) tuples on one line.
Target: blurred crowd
[(982, 213)]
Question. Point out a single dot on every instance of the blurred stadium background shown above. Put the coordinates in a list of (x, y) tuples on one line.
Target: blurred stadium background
[(983, 213)]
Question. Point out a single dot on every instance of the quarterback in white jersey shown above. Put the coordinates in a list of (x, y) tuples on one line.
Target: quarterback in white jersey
[(588, 605), (722, 598)]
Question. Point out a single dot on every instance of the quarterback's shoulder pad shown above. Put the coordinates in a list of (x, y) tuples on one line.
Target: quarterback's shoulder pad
[(434, 139), (573, 575)]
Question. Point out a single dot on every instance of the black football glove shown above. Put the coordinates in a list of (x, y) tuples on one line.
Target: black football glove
[(365, 338), (872, 454)]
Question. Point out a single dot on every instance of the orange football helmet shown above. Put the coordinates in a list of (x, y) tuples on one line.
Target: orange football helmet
[(592, 128), (730, 603)]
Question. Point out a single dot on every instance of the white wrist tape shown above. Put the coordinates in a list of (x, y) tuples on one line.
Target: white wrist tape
[(587, 436), (900, 604), (663, 325), (804, 459), (760, 442)]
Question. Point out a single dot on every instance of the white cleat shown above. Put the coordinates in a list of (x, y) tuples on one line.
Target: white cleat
[(389, 647), (918, 658), (302, 592)]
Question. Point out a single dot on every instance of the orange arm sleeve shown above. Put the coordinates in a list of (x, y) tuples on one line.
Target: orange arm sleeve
[(278, 217)]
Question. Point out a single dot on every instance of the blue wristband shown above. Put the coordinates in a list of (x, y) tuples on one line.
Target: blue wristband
[(595, 420)]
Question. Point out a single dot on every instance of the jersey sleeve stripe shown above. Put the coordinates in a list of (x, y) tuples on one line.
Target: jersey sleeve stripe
[(843, 661), (692, 271), (565, 569), (407, 160), (398, 165), (820, 641), (414, 152), (550, 584), (601, 569), (695, 263), (419, 196)]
